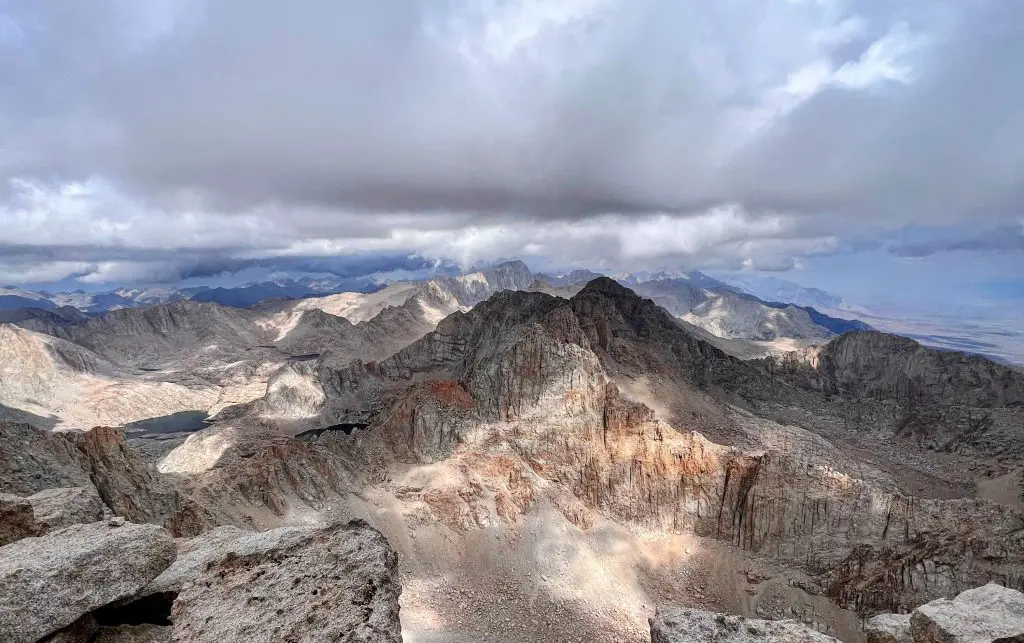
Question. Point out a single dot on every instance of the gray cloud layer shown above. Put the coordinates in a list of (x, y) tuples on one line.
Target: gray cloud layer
[(1003, 238), (322, 126)]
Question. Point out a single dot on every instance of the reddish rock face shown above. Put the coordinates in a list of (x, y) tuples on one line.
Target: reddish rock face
[(451, 394)]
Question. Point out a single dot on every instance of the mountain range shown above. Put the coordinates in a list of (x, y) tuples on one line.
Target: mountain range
[(239, 297), (714, 306), (542, 459)]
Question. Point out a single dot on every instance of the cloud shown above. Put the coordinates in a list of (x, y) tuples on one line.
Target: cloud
[(145, 269), (1006, 238), (719, 237), (586, 131), (142, 268)]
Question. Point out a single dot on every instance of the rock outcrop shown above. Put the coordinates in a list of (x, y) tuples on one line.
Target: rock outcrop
[(196, 554), (49, 582), (257, 483), (988, 614), (101, 464), (339, 584), (684, 625), (46, 511), (128, 484), (33, 460), (58, 508)]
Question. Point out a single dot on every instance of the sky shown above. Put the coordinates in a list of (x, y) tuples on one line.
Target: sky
[(874, 147)]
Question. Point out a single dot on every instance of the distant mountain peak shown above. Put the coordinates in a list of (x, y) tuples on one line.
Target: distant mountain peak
[(607, 286)]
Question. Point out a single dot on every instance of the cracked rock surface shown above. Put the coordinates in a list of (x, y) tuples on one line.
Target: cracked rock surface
[(48, 583), (338, 585)]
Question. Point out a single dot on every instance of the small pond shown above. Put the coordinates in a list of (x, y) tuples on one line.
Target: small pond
[(181, 422)]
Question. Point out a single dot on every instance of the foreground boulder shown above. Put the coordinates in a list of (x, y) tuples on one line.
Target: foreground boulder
[(684, 625), (340, 584), (196, 554), (49, 582), (58, 508), (16, 519), (988, 614)]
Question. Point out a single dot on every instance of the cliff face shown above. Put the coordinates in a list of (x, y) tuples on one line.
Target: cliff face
[(148, 336), (877, 365), (870, 548), (943, 401)]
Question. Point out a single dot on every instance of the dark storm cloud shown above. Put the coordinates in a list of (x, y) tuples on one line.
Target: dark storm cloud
[(174, 265), (371, 106), (354, 265), (96, 253)]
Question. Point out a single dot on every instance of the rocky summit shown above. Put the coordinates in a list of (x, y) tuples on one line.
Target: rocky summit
[(507, 457)]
